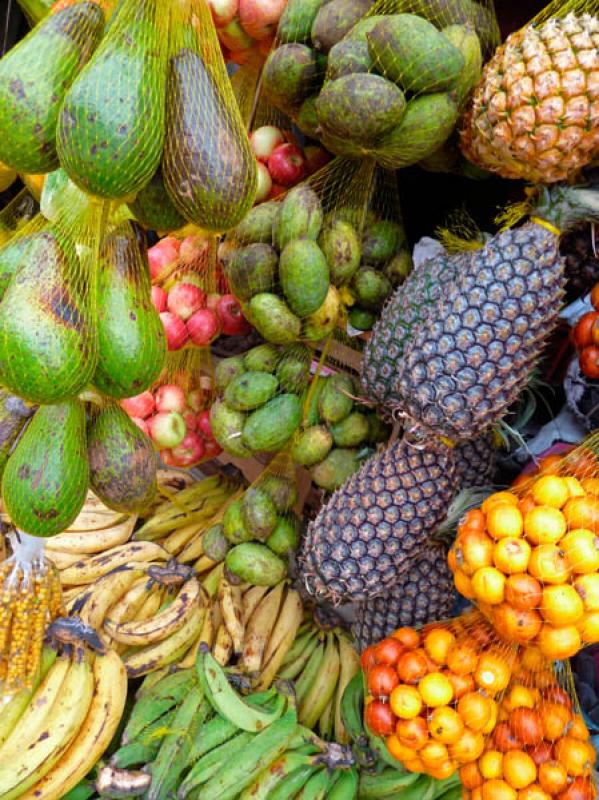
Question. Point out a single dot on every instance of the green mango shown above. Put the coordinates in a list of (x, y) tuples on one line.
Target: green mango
[(234, 528), (34, 77), (380, 241), (349, 56), (300, 216), (351, 431), (46, 478), (335, 19), (362, 27), (111, 124), (336, 400), (250, 390), (273, 319), (341, 246), (312, 445), (47, 346), (337, 467), (285, 536), (293, 369), (153, 208), (398, 268), (411, 52), (325, 319), (270, 427), (304, 276), (371, 288), (122, 462), (227, 426), (252, 270), (295, 23), (311, 400), (258, 224), (258, 513), (12, 255), (307, 118), (131, 339), (209, 168), (262, 358), (429, 120), (360, 108), (214, 542), (291, 74), (14, 415), (226, 370), (341, 146), (256, 564), (361, 319), (282, 491), (465, 39)]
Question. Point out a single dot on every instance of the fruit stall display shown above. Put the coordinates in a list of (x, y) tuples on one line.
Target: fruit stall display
[(295, 503)]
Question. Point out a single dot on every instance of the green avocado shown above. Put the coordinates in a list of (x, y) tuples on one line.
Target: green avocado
[(300, 216), (250, 390), (311, 400), (307, 118), (34, 77), (153, 208), (256, 564), (131, 338), (285, 536), (336, 400), (312, 445), (304, 276), (12, 255), (290, 75), (226, 370), (335, 19), (380, 241), (262, 358), (341, 246), (295, 23), (325, 319), (227, 425), (336, 468), (273, 319), (361, 319), (351, 431), (14, 415), (122, 462), (270, 427), (252, 270), (371, 288), (258, 513), (293, 369), (258, 224), (46, 478), (234, 527), (281, 490), (348, 56)]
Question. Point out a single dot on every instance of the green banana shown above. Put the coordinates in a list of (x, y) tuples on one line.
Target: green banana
[(292, 667), (309, 674), (326, 721), (346, 785), (163, 696), (322, 690), (352, 709), (274, 774), (316, 787), (145, 748), (83, 791), (455, 793), (264, 748), (211, 763), (293, 783), (386, 783), (448, 788), (225, 700), (151, 679)]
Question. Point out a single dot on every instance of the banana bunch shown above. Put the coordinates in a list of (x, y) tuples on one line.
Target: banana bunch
[(53, 734), (190, 734)]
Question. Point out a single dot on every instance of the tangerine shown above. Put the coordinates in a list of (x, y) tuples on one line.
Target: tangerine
[(496, 789), (474, 550), (398, 750), (544, 525), (492, 673), (504, 520), (533, 792), (559, 643), (475, 709), (469, 747), (555, 718), (499, 498), (588, 627), (490, 726), (591, 485), (387, 651), (437, 643), (550, 465), (526, 725), (561, 605), (405, 701), (435, 689), (576, 756), (504, 739), (490, 764), (578, 729), (574, 486), (579, 789), (582, 512), (412, 666), (511, 555), (445, 725), (532, 658), (473, 520), (550, 490), (518, 696), (488, 585), (519, 770), (463, 584), (442, 771), (522, 591), (541, 753), (415, 765), (412, 733), (407, 636), (516, 625), (433, 753), (471, 776), (581, 548), (587, 587), (462, 658), (548, 564), (553, 776)]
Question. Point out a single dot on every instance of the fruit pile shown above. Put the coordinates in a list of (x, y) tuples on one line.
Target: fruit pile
[(246, 28), (585, 339)]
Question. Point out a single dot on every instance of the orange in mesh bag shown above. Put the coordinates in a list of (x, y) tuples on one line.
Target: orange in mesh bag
[(529, 557)]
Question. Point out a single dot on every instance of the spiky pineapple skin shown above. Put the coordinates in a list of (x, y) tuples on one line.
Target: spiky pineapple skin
[(535, 112), (469, 361), (425, 594), (365, 536), (475, 462)]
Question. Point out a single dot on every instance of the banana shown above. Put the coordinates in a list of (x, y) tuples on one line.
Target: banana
[(211, 581), (167, 693), (346, 785), (350, 666), (310, 672), (250, 600), (88, 570), (299, 655), (194, 551), (163, 624), (13, 709), (127, 606), (214, 733), (94, 516), (229, 597), (34, 759), (272, 663), (293, 783), (152, 604), (316, 786), (105, 592), (176, 541), (259, 628), (91, 541), (167, 651), (211, 763), (113, 782), (322, 689), (289, 619), (274, 774), (99, 726), (326, 720), (223, 645), (209, 627), (69, 595), (62, 560), (390, 782)]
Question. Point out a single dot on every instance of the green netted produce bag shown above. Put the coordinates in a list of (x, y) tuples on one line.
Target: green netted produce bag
[(386, 80), (207, 165)]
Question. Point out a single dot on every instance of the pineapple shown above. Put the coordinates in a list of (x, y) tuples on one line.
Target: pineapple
[(367, 534), (426, 594), (535, 112), (475, 462)]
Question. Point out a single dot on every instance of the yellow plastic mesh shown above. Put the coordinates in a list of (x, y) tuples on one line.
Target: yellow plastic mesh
[(16, 214), (208, 166), (111, 125), (34, 78)]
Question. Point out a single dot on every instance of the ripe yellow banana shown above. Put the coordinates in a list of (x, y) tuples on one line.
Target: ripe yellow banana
[(93, 541), (95, 516), (168, 650), (176, 541), (283, 636), (193, 550), (62, 560), (99, 726), (251, 598), (350, 665), (259, 628), (229, 597), (163, 624), (105, 592), (34, 759), (127, 606), (223, 645), (88, 570), (210, 625)]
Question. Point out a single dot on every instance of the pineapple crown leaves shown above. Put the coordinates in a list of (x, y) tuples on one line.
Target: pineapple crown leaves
[(560, 205)]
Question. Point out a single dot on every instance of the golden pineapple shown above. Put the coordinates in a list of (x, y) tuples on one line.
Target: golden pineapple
[(535, 112)]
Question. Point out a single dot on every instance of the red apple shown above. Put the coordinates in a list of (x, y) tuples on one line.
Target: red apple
[(265, 46), (191, 420), (190, 450), (316, 158), (204, 426), (203, 327), (264, 140), (212, 448), (184, 299), (287, 164), (234, 37), (175, 329), (142, 424), (264, 183), (231, 317), (167, 429), (276, 190), (142, 405), (195, 400), (159, 298), (194, 249), (171, 397), (260, 18), (212, 300), (162, 256), (223, 11)]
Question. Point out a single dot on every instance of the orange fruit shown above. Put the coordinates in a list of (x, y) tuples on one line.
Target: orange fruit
[(470, 776), (435, 689), (415, 765), (461, 683), (437, 644), (504, 520), (496, 789), (488, 585), (575, 487), (525, 504), (412, 733), (445, 725), (582, 512), (544, 525), (533, 792), (499, 498), (550, 490), (490, 764), (591, 485), (473, 520), (553, 777), (519, 770), (555, 717), (462, 658), (551, 465), (559, 643), (405, 701), (511, 555), (469, 747), (526, 725), (522, 591), (581, 548), (407, 636), (490, 726), (587, 587), (463, 584), (475, 709), (473, 550), (516, 625), (442, 771), (588, 627), (433, 753), (578, 729), (548, 564), (561, 605), (518, 696), (492, 673), (576, 756), (411, 666), (398, 750), (451, 560)]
